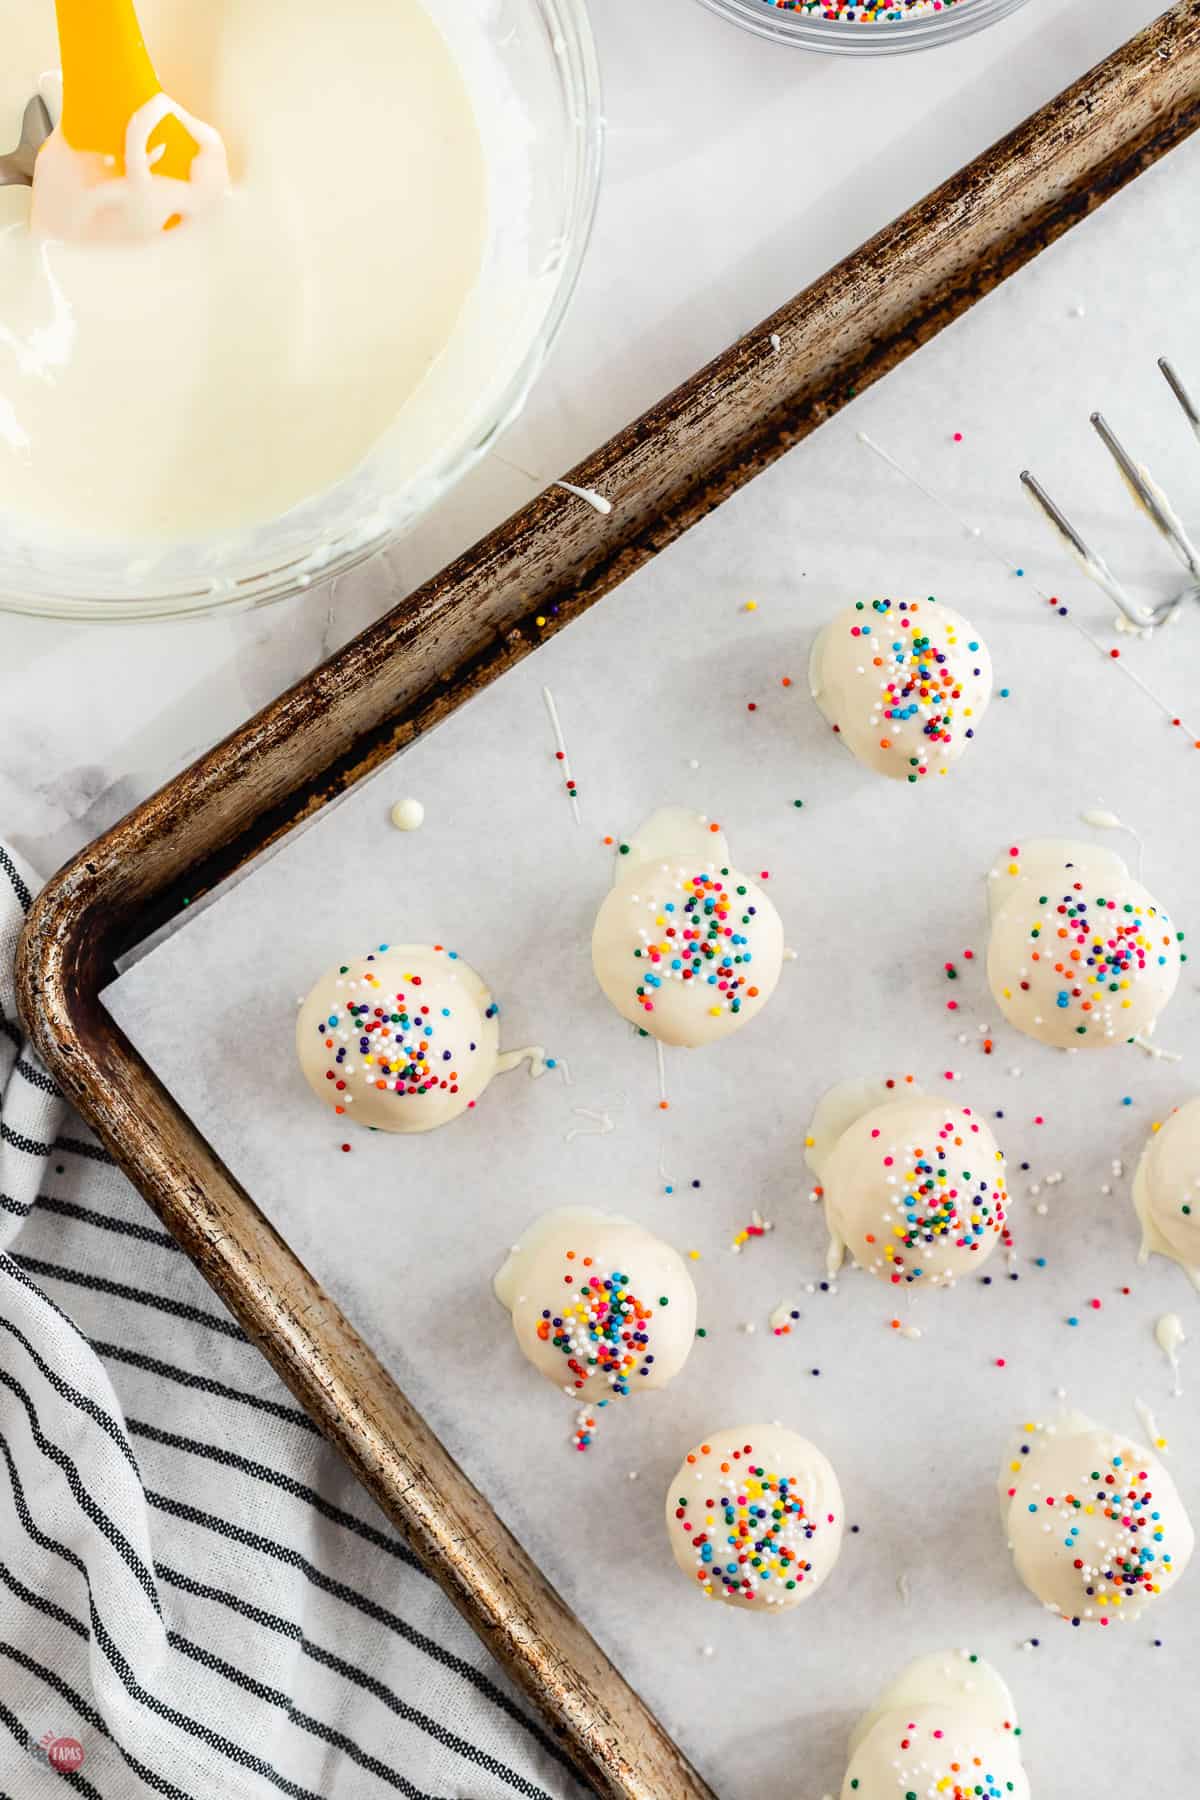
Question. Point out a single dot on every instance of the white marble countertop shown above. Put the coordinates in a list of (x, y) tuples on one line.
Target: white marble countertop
[(695, 241)]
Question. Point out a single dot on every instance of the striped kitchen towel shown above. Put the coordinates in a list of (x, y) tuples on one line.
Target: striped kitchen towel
[(196, 1599)]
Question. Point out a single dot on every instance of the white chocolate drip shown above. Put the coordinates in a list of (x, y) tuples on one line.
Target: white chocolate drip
[(1170, 1337), (596, 1124), (596, 501), (560, 745), (533, 1054), (77, 197), (408, 815), (1149, 1424)]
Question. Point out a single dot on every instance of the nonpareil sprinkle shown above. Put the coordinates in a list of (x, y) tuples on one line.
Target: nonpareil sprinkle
[(864, 12)]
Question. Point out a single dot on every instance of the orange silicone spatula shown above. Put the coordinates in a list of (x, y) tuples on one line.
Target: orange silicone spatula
[(107, 78)]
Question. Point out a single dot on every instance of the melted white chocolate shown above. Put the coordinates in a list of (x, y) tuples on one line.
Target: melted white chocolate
[(947, 1725), (1166, 1191), (686, 947), (740, 1472), (1095, 1523), (1081, 955), (77, 198), (600, 1306), (914, 1188), (216, 375), (677, 832), (904, 683), (1170, 1337), (404, 1039)]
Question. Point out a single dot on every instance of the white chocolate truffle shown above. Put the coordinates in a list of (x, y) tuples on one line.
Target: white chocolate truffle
[(914, 1187), (600, 1306), (404, 1039), (904, 683), (1081, 955), (1095, 1523), (686, 947), (946, 1726), (755, 1517), (1166, 1190)]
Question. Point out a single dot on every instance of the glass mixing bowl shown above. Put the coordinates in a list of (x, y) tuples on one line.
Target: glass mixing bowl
[(858, 37), (548, 153)]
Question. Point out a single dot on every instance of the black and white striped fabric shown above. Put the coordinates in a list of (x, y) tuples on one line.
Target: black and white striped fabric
[(195, 1597)]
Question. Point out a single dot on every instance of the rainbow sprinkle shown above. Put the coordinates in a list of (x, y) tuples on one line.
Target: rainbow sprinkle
[(702, 940), (916, 682), (1134, 1565), (585, 1426), (603, 1330), (1099, 948), (758, 1227), (924, 1756), (939, 1204), (399, 1039), (865, 12), (750, 1532)]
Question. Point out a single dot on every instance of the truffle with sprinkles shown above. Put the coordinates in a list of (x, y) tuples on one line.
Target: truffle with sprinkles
[(686, 947), (1095, 1523), (914, 1188), (904, 684), (755, 1517), (403, 1039), (601, 1307), (1081, 955), (947, 1727), (1166, 1190)]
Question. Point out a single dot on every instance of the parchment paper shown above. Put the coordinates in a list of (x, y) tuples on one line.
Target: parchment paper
[(879, 885)]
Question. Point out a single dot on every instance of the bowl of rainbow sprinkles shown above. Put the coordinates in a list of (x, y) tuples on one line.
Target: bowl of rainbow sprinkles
[(863, 27)]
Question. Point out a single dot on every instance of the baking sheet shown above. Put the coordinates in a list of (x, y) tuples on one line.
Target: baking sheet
[(879, 886)]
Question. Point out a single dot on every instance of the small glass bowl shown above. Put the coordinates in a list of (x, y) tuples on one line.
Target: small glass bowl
[(843, 37), (547, 55)]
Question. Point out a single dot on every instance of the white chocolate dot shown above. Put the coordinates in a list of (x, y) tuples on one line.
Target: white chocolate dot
[(408, 815)]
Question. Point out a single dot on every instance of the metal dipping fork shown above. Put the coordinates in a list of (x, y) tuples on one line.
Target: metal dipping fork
[(16, 169), (1152, 501)]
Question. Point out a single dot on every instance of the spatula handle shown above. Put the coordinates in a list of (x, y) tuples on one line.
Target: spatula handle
[(107, 73)]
